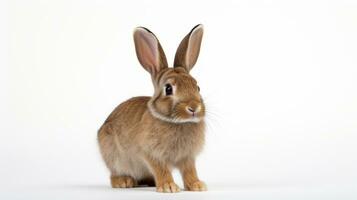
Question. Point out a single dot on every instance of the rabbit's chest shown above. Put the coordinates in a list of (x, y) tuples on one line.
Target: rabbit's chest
[(176, 145)]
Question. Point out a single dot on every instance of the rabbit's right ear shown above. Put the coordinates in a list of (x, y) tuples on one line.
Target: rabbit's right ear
[(149, 51), (189, 49)]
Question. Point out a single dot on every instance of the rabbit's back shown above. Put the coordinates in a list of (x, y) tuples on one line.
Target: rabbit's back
[(133, 108), (124, 121)]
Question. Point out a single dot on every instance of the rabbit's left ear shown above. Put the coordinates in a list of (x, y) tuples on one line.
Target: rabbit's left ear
[(149, 51), (189, 48)]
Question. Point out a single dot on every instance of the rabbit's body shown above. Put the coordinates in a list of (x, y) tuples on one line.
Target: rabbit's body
[(125, 142), (145, 137)]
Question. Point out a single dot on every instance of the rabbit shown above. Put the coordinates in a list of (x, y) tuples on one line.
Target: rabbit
[(144, 138)]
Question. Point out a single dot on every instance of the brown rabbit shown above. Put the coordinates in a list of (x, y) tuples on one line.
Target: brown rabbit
[(145, 137)]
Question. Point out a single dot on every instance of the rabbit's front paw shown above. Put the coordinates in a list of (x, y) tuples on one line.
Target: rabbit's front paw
[(167, 187), (196, 186), (122, 182)]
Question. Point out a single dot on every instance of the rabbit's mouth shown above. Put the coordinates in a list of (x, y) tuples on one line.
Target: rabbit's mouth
[(175, 118), (193, 119)]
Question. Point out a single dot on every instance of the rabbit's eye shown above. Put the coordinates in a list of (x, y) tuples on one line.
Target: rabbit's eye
[(168, 89)]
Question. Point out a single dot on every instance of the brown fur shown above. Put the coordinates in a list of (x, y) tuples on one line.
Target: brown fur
[(141, 148)]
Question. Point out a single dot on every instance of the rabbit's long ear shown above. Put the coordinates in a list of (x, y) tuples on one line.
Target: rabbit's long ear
[(189, 48), (149, 51)]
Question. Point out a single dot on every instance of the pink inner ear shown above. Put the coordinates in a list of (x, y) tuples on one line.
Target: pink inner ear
[(152, 51), (193, 47), (147, 49)]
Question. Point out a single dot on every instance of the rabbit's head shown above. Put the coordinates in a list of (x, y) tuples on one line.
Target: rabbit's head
[(177, 96)]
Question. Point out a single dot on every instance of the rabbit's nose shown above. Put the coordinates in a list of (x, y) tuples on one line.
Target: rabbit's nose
[(192, 109)]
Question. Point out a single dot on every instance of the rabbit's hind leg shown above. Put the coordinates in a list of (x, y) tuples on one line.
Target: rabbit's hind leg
[(122, 175), (122, 181), (113, 159)]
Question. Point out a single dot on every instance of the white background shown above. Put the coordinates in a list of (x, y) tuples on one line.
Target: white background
[(278, 77)]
